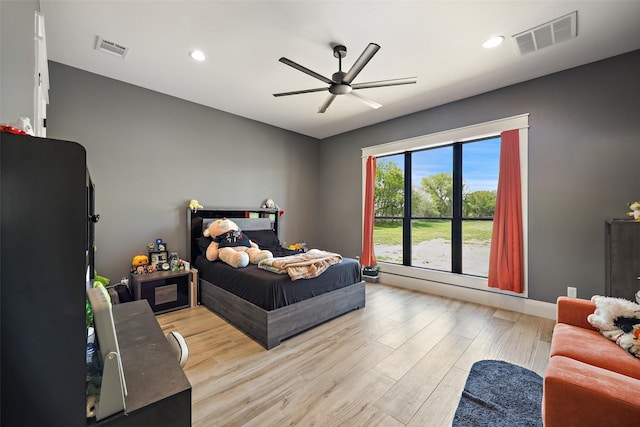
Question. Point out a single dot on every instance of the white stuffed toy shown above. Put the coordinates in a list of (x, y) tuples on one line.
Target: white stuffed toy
[(635, 210), (270, 204), (231, 245), (24, 124), (619, 320)]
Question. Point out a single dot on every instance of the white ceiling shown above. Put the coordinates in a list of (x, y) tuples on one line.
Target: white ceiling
[(437, 41)]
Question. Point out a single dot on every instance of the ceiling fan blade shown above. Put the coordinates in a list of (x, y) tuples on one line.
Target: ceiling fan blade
[(383, 83), (326, 103), (305, 70), (371, 103), (364, 58), (297, 92)]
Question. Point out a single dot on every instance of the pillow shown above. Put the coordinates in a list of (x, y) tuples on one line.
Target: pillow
[(265, 239), (619, 320), (203, 244)]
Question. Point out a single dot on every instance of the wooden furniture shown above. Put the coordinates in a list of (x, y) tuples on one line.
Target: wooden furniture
[(159, 393), (165, 290), (268, 327), (622, 258), (43, 261)]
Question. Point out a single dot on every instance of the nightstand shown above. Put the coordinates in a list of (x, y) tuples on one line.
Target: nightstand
[(165, 290)]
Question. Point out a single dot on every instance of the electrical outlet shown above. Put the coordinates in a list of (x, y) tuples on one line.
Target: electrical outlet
[(572, 292)]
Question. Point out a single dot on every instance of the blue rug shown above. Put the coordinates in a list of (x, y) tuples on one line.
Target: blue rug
[(500, 394)]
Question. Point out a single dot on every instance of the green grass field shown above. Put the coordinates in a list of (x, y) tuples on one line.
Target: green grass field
[(390, 233)]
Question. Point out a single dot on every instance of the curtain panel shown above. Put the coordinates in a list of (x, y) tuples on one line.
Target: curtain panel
[(368, 258), (506, 259)]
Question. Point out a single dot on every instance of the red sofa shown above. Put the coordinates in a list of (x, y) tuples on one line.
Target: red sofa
[(590, 380)]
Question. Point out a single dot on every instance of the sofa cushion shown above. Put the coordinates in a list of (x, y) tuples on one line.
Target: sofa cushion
[(574, 311), (591, 347), (579, 394)]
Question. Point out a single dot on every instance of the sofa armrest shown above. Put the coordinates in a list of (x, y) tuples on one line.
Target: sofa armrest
[(574, 311), (577, 394)]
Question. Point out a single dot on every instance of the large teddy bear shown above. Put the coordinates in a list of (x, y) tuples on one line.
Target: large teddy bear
[(231, 245)]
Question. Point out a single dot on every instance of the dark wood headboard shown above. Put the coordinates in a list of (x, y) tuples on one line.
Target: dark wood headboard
[(196, 221)]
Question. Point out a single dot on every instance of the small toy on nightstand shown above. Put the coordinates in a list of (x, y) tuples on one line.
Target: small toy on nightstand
[(160, 245), (140, 265)]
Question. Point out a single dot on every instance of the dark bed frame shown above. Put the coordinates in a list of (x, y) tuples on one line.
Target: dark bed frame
[(269, 328)]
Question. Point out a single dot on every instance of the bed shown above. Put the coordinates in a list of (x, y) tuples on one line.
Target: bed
[(266, 306)]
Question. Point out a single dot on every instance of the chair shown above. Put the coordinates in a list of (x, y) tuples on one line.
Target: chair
[(179, 347)]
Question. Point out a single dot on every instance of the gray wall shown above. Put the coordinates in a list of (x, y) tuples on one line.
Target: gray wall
[(584, 152), (149, 154), (17, 61)]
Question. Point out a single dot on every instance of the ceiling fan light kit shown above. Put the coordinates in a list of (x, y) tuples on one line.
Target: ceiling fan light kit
[(340, 82)]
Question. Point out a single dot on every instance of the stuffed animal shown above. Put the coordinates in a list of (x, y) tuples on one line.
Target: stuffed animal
[(635, 210), (231, 245), (270, 204), (194, 205), (24, 124), (619, 320)]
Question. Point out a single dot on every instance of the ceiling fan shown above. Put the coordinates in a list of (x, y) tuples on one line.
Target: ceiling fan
[(341, 82)]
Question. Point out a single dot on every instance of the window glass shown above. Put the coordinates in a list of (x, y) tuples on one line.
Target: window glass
[(480, 166), (432, 179), (389, 191), (476, 245), (431, 244), (389, 208), (387, 238)]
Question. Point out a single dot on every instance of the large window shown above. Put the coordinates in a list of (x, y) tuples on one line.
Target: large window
[(434, 207), (435, 197)]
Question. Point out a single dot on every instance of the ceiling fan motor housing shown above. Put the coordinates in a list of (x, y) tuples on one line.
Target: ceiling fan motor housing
[(339, 88)]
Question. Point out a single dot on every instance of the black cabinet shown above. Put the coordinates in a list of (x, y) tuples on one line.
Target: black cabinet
[(622, 258), (45, 252), (165, 290), (43, 260)]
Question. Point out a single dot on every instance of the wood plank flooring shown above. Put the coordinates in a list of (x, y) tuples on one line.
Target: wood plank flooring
[(401, 361)]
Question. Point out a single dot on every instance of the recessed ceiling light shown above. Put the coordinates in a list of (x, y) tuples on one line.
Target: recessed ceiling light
[(197, 55), (493, 42)]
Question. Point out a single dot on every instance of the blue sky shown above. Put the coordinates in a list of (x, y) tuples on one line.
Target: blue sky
[(481, 162)]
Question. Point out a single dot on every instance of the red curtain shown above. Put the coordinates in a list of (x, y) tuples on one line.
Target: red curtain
[(368, 258), (506, 259)]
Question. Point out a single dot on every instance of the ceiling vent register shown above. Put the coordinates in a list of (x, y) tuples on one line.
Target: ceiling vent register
[(553, 32), (111, 48)]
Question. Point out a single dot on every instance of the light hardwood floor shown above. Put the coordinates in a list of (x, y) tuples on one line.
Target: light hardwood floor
[(400, 361)]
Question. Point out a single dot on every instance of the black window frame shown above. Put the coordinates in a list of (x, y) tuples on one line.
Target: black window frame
[(457, 219)]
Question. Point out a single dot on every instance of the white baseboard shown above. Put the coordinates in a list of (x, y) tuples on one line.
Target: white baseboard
[(492, 299)]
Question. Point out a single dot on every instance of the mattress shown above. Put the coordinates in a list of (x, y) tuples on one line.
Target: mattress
[(270, 290)]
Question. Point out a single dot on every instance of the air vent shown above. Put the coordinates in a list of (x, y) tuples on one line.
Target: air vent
[(554, 32), (111, 48)]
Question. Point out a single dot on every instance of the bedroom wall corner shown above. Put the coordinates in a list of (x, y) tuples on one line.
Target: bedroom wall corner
[(150, 153)]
